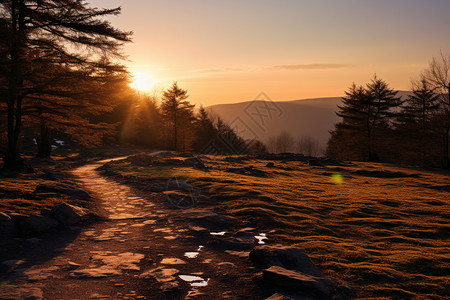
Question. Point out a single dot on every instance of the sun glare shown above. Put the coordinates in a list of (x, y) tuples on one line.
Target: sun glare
[(142, 82)]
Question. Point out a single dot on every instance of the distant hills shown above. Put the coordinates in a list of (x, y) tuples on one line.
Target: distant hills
[(264, 119)]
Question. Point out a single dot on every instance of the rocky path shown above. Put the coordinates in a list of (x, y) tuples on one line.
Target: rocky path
[(141, 249)]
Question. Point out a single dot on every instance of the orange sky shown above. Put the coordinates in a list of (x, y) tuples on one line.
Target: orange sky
[(230, 51)]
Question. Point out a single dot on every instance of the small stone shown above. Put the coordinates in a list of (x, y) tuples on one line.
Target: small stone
[(69, 214)]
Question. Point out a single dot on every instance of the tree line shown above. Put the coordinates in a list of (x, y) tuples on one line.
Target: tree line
[(378, 125), (173, 123)]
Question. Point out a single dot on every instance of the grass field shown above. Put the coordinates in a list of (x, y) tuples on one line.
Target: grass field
[(382, 230)]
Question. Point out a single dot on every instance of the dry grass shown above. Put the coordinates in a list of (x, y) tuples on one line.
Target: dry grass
[(16, 196), (383, 237)]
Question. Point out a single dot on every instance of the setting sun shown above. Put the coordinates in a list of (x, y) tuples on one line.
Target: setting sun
[(142, 82)]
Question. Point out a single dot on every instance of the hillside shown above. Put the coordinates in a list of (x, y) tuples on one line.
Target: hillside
[(307, 117)]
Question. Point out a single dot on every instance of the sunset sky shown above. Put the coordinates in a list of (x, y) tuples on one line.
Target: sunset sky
[(230, 51)]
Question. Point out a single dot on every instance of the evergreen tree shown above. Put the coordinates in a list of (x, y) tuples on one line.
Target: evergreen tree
[(54, 50), (367, 114), (204, 129), (417, 122), (177, 114)]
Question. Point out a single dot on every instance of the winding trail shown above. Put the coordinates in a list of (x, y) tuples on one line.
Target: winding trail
[(138, 251)]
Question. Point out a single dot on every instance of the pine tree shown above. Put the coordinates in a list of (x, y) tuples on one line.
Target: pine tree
[(58, 57), (205, 130), (416, 122), (366, 114), (177, 114)]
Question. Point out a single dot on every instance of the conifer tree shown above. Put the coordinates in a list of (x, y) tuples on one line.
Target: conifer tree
[(177, 114), (58, 57)]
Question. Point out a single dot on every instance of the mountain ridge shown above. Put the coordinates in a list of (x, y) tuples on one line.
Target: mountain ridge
[(262, 119)]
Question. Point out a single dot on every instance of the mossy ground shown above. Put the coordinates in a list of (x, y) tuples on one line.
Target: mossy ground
[(383, 237)]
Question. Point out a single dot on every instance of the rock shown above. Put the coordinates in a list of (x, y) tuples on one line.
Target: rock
[(157, 187), (8, 227), (33, 223), (195, 162), (186, 154), (69, 214), (293, 258), (322, 162), (249, 171), (208, 219), (199, 232), (279, 296), (235, 160), (161, 274), (232, 243), (343, 293), (53, 175), (270, 165), (62, 188), (103, 271), (298, 280)]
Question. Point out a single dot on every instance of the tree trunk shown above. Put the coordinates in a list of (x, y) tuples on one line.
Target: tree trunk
[(43, 142), (12, 158)]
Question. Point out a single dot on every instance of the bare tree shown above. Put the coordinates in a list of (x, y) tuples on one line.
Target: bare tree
[(271, 144), (308, 146), (438, 76), (284, 142)]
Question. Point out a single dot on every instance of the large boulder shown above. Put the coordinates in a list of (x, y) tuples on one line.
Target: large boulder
[(298, 280), (61, 188), (293, 258), (209, 219), (33, 224), (69, 214), (8, 227)]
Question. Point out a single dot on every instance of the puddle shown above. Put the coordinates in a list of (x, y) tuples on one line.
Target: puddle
[(196, 281), (193, 254), (261, 237), (218, 233)]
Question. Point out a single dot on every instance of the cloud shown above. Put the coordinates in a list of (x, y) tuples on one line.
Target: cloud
[(223, 70), (309, 67), (229, 70)]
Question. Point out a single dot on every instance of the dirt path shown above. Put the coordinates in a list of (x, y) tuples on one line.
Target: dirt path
[(137, 252)]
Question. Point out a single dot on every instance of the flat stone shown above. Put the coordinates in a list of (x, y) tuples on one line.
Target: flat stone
[(294, 279), (279, 296), (293, 258), (100, 272), (209, 219), (161, 274), (8, 227), (172, 261), (24, 291)]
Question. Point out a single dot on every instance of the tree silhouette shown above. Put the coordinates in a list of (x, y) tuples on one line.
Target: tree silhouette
[(177, 113), (366, 112), (57, 55), (417, 121), (438, 76), (204, 129)]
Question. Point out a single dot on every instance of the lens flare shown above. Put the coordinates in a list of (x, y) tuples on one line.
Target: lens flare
[(337, 178)]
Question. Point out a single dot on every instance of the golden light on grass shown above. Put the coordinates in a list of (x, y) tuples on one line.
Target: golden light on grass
[(142, 81)]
